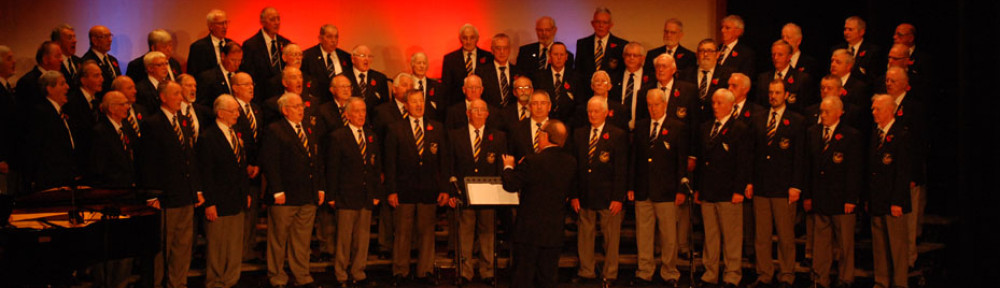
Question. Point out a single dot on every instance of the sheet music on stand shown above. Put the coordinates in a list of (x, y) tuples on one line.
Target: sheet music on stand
[(488, 190)]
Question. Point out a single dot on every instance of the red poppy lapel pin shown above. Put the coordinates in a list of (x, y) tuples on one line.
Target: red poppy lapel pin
[(791, 80), (490, 137), (371, 139), (735, 54), (430, 128), (664, 132), (566, 86), (786, 122), (838, 136), (373, 82), (715, 81), (677, 93), (606, 136)]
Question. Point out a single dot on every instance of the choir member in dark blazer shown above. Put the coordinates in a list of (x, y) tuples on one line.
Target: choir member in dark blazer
[(473, 90), (293, 164), (371, 85), (222, 154), (733, 54), (600, 83), (112, 165), (167, 163), (708, 76), (681, 95), (601, 51), (628, 83), (433, 89), (354, 170), (291, 56), (29, 93), (263, 51), (518, 111), (833, 191), (867, 56), (136, 112), (801, 88), (499, 74), (673, 31), (324, 61), (460, 63), (206, 53), (218, 80), (778, 181), (657, 175), (792, 34), (334, 113), (415, 177), (100, 45), (53, 142), (159, 40), (9, 121), (911, 115), (475, 151), (83, 105), (525, 138), (534, 57), (602, 154), (889, 193), (199, 115), (562, 83), (251, 125), (724, 164), (857, 85), (739, 85), (386, 114), (853, 116), (65, 36), (544, 185), (156, 73)]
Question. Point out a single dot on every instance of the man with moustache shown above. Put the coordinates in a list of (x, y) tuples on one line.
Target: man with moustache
[(777, 183), (475, 150), (517, 112), (658, 172), (293, 164), (264, 51), (157, 71), (159, 40), (534, 57), (206, 53), (561, 82), (835, 157), (100, 45), (673, 31), (218, 80), (709, 76), (354, 170), (415, 170), (167, 163), (325, 60), (461, 63), (602, 152)]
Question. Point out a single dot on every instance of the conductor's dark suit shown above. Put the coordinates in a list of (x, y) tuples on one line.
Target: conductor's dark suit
[(544, 185)]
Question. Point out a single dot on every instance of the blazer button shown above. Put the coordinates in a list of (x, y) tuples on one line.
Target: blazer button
[(589, 170), (768, 157), (476, 170), (822, 172), (706, 163), (650, 160), (310, 176)]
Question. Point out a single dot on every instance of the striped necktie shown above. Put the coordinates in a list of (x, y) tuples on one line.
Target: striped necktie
[(599, 55), (180, 134), (468, 64), (133, 123), (593, 146), (251, 118), (362, 145), (418, 136), (125, 144), (275, 55), (237, 145), (772, 127), (535, 143), (477, 146), (303, 139), (343, 115)]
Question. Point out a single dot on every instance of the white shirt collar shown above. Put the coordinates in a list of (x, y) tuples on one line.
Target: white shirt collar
[(887, 126), (354, 129), (170, 115), (87, 96), (295, 123), (100, 56), (156, 83), (669, 86), (724, 120), (844, 78), (780, 111), (54, 104), (899, 100), (795, 59), (600, 129), (116, 124), (832, 127)]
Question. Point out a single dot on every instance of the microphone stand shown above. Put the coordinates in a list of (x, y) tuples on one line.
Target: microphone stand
[(687, 184), (459, 258)]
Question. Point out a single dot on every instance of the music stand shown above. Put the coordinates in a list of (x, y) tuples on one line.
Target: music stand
[(487, 191)]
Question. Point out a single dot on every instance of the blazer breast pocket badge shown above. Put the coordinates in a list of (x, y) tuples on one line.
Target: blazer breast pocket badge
[(785, 143), (725, 147), (434, 148), (838, 157), (605, 156)]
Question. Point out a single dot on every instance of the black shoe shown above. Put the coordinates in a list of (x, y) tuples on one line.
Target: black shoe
[(362, 283), (785, 285), (577, 279), (310, 285), (489, 280), (398, 280), (639, 282), (428, 280), (384, 255), (759, 284), (671, 283), (729, 285), (606, 283), (279, 286)]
